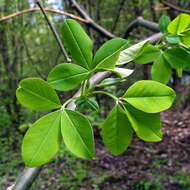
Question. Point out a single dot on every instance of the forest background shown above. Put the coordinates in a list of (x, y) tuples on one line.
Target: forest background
[(28, 49)]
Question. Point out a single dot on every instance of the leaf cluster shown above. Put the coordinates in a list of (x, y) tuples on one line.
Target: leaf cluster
[(137, 110)]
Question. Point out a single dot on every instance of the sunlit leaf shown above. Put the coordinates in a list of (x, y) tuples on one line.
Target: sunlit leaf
[(185, 37), (42, 140), (129, 54), (149, 96), (161, 71), (117, 131), (67, 76), (78, 42), (179, 24), (147, 54), (108, 54), (146, 125), (37, 94), (77, 134), (122, 72)]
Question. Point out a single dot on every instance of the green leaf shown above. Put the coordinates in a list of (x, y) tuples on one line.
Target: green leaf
[(146, 125), (121, 72), (179, 72), (67, 76), (147, 54), (163, 24), (179, 24), (177, 58), (149, 96), (42, 140), (77, 42), (161, 71), (185, 37), (77, 134), (173, 39), (116, 131), (108, 53), (93, 104), (37, 94), (83, 102), (129, 54), (110, 82)]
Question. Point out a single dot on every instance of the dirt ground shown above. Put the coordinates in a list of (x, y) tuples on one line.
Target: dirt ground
[(165, 157)]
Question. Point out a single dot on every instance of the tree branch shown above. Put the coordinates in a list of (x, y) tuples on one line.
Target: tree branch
[(142, 22), (38, 2), (91, 22), (175, 7), (139, 21), (46, 9)]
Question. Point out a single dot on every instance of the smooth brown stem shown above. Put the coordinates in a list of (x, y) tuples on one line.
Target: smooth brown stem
[(46, 9)]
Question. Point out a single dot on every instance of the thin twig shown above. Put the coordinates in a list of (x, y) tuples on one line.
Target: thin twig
[(175, 7), (91, 22), (46, 9), (54, 31), (161, 8)]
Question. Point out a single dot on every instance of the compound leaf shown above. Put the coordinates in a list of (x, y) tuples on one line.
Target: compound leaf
[(67, 76), (117, 131), (149, 96), (77, 134), (42, 140), (37, 94)]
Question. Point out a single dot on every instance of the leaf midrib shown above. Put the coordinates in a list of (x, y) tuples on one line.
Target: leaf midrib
[(178, 23), (31, 92), (131, 118), (44, 139), (110, 56), (73, 126), (76, 42), (160, 96), (66, 78)]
